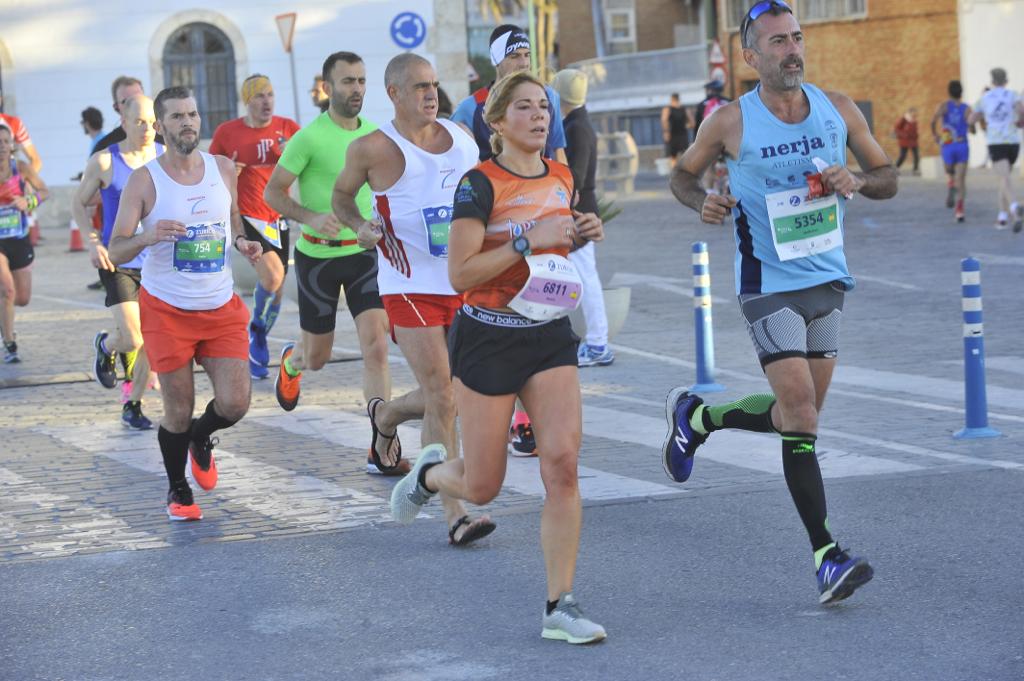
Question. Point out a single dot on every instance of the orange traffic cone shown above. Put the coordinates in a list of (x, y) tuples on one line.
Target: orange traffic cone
[(76, 238), (33, 230)]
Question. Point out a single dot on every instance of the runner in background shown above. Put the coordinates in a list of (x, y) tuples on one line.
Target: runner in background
[(949, 128), (21, 191), (255, 143)]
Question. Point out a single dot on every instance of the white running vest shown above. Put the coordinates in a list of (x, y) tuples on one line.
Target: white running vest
[(193, 273), (416, 213)]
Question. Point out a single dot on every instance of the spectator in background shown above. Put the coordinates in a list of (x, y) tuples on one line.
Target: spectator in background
[(675, 127), (92, 126), (444, 104), (906, 135), (581, 151), (319, 95)]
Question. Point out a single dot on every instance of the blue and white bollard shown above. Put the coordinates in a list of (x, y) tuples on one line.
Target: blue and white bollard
[(702, 322), (974, 355)]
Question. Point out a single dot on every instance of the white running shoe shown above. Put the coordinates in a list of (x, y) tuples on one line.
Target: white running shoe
[(567, 623)]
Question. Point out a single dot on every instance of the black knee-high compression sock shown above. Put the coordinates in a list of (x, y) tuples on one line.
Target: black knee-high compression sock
[(208, 423), (803, 477), (174, 448), (753, 412)]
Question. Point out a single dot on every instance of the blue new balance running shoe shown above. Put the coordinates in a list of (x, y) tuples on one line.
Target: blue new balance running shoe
[(840, 575), (682, 440)]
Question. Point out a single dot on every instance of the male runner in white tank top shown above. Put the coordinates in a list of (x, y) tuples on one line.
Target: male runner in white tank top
[(413, 164), (187, 204)]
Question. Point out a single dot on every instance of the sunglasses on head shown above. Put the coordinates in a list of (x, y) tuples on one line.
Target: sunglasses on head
[(760, 8)]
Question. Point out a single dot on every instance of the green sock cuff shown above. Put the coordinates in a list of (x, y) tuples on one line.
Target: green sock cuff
[(758, 403), (819, 555), (289, 369), (697, 419)]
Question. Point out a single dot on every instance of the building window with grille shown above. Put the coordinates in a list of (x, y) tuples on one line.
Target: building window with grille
[(823, 10), (201, 57), (806, 10), (621, 29)]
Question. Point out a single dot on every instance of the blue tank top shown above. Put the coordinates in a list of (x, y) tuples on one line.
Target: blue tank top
[(775, 156), (955, 120), (111, 195)]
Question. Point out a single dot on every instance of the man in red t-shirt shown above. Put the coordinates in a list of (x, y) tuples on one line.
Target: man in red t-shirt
[(21, 138), (255, 143)]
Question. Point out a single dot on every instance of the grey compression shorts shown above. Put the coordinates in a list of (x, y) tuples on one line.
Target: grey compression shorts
[(802, 323)]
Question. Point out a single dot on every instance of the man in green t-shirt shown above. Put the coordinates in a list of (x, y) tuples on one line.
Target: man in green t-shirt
[(327, 257)]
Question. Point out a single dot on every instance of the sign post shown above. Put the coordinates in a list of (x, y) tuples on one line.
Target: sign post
[(286, 28)]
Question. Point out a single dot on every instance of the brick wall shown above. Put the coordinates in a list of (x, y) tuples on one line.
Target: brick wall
[(903, 54)]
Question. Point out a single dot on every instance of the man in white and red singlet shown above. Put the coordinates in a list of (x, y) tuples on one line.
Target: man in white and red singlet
[(185, 200), (413, 164), (255, 143)]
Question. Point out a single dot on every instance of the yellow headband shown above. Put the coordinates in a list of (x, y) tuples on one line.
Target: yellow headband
[(254, 86)]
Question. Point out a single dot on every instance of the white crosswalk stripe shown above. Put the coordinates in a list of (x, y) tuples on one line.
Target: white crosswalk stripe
[(277, 493), (82, 527), (521, 476)]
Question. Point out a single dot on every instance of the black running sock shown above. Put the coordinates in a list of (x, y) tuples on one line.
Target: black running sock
[(422, 477), (803, 477), (753, 412), (208, 423), (174, 448), (551, 605)]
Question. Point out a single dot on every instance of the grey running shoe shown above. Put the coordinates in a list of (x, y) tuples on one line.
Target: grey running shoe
[(567, 623), (11, 353), (408, 497)]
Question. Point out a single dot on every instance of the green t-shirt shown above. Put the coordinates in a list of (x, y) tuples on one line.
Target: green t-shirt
[(316, 155)]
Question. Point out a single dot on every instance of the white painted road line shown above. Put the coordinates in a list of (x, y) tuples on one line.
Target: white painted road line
[(994, 259), (871, 379), (82, 527), (1011, 365), (674, 285), (842, 435), (282, 495), (735, 448), (887, 282), (522, 475), (925, 386)]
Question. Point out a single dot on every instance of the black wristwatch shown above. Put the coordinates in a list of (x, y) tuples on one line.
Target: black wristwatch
[(521, 245)]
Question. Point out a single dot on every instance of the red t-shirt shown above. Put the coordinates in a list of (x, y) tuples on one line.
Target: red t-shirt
[(259, 149), (18, 129)]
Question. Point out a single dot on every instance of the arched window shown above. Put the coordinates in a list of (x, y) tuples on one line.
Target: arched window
[(200, 56)]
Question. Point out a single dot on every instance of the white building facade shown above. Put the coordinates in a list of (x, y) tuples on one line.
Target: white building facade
[(58, 58)]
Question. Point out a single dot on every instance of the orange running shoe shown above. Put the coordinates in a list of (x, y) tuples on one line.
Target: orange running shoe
[(181, 505), (202, 453), (287, 387)]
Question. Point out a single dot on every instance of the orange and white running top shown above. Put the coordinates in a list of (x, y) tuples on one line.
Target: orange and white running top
[(510, 205), (416, 212)]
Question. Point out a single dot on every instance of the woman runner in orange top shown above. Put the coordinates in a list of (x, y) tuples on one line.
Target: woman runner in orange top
[(512, 226)]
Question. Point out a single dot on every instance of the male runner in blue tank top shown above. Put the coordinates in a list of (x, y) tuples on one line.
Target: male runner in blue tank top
[(953, 116), (791, 273), (107, 172)]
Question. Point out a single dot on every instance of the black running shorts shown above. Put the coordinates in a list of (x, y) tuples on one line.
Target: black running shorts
[(801, 323), (321, 280), (121, 285), (1003, 152), (252, 235), (19, 252), (496, 353)]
